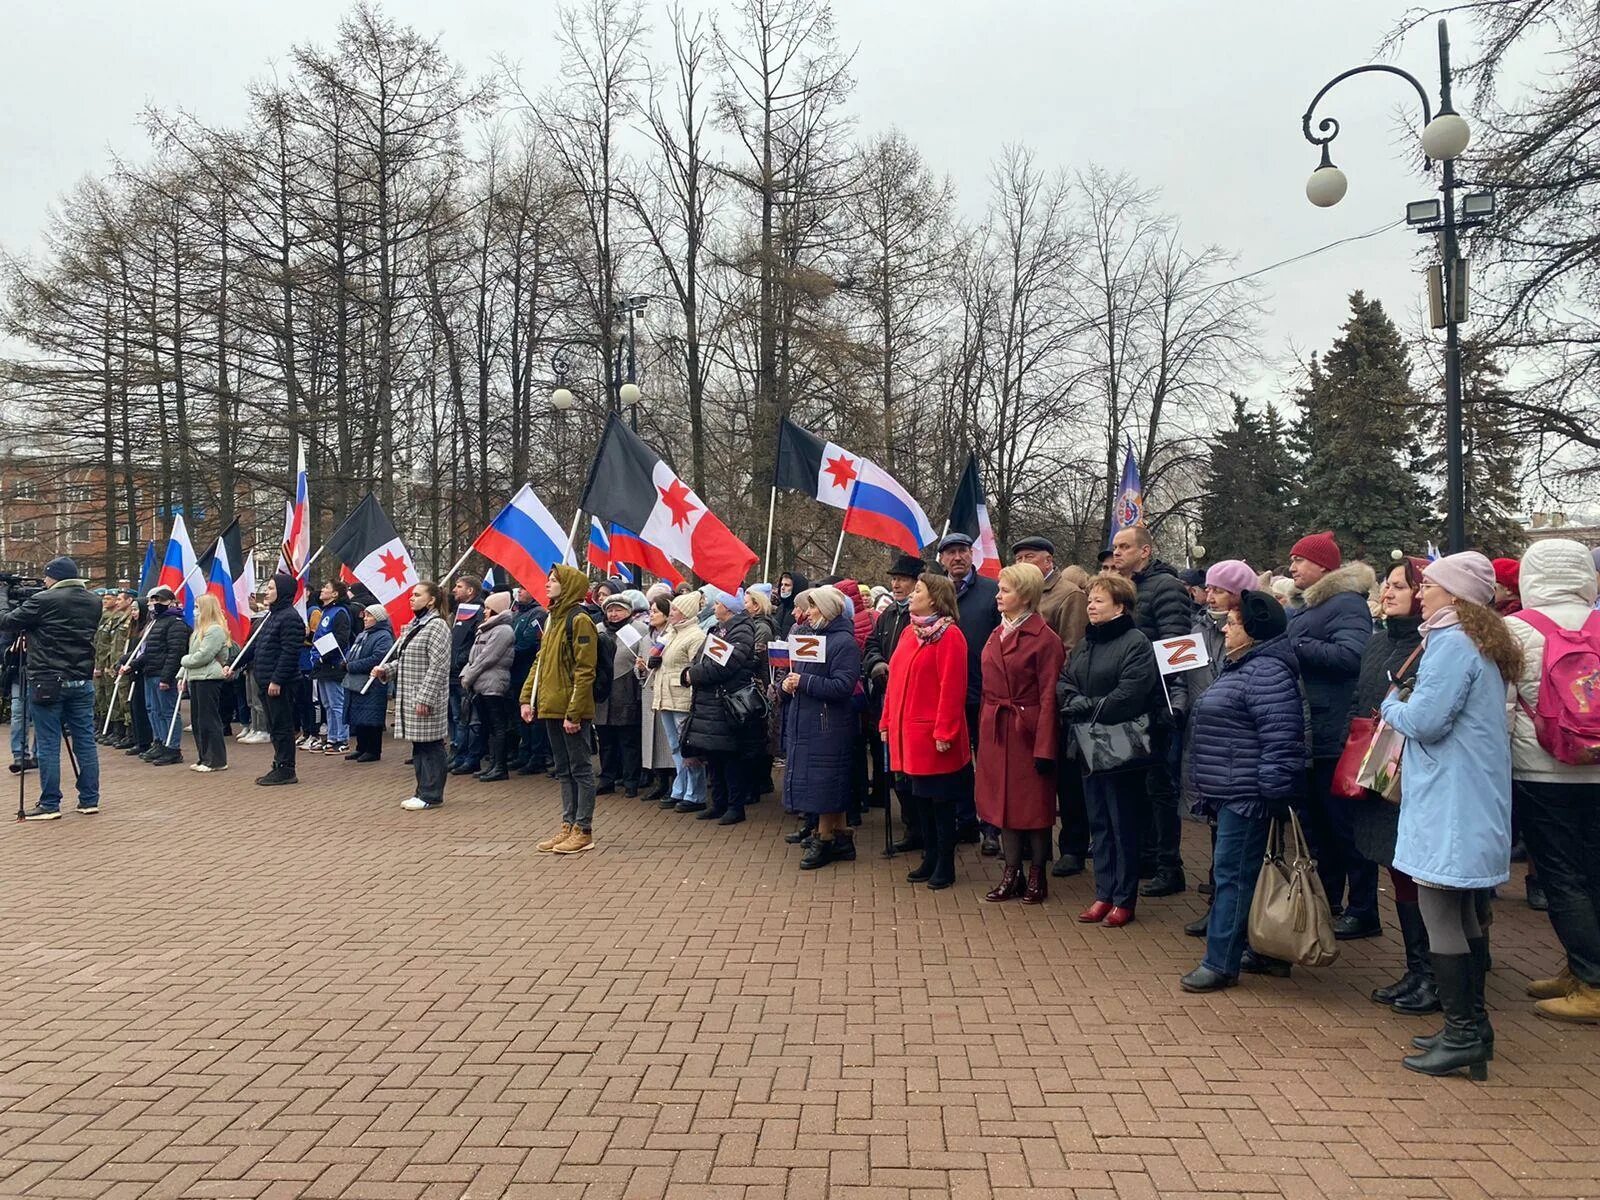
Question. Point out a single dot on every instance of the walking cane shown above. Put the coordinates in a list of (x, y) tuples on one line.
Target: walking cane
[(888, 807)]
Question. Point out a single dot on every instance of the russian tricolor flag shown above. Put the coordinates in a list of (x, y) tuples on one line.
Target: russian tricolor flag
[(527, 541), (178, 565), (884, 511), (222, 581), (628, 547), (599, 551)]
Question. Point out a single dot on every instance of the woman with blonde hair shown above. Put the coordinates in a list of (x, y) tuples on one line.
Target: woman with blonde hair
[(202, 671), (1017, 732)]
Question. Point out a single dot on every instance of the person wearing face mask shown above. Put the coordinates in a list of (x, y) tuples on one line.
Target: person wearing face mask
[(273, 657), (1389, 663), (790, 585), (1248, 759), (975, 601), (875, 662), (1455, 820)]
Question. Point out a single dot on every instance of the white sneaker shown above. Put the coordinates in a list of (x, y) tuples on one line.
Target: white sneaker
[(415, 804), (223, 767), (199, 767), (258, 737), (244, 736)]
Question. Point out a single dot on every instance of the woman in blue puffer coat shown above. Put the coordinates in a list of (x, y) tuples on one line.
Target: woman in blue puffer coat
[(1247, 760), (820, 725)]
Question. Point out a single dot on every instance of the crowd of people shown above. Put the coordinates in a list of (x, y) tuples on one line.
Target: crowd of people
[(1030, 715)]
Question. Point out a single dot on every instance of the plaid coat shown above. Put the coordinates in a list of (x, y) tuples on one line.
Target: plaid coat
[(421, 675)]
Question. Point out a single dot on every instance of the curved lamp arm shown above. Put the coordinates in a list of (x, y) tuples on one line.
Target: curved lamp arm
[(1328, 127)]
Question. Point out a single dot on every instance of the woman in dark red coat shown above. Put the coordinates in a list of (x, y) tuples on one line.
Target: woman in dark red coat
[(925, 722), (1017, 732)]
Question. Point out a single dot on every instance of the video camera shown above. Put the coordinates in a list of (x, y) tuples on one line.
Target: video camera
[(14, 589)]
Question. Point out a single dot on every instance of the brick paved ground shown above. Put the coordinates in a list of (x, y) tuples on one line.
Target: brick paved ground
[(217, 990)]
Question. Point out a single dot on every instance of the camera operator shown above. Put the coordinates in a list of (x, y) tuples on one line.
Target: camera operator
[(60, 624)]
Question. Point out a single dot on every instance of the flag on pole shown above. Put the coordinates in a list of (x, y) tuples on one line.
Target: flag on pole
[(1432, 552), (1128, 508), (969, 514), (367, 543), (806, 463), (630, 485), (178, 565), (244, 586), (628, 547), (219, 567), (296, 550), (884, 511), (488, 581), (527, 541), (599, 550), (147, 573)]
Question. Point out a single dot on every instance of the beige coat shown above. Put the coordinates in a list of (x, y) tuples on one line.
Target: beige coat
[(680, 652), (1065, 608)]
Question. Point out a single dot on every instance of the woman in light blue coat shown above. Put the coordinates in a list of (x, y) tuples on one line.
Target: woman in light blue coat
[(1455, 815)]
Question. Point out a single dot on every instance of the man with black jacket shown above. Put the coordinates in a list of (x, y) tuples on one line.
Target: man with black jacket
[(978, 618), (274, 658), (881, 642), (466, 735), (59, 624), (1163, 610), (164, 649)]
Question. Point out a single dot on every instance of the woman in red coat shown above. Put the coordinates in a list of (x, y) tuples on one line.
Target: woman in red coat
[(925, 722), (1017, 732)]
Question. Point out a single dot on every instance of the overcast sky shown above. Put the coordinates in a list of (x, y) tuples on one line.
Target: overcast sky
[(1200, 99)]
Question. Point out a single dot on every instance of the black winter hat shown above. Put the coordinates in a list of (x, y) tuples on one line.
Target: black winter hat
[(61, 568), (1261, 615), (908, 565)]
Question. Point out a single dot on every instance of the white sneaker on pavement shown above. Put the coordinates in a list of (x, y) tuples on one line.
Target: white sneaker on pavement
[(415, 804)]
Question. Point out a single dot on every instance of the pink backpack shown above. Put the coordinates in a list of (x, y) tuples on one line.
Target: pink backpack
[(1567, 720)]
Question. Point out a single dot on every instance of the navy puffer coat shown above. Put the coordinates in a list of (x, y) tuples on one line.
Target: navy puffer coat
[(371, 646), (1248, 733), (821, 725), (1328, 635)]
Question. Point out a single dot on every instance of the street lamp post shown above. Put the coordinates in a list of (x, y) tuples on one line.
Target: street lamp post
[(1444, 137), (621, 362)]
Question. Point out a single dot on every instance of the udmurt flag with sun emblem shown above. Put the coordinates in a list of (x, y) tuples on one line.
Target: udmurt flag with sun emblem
[(369, 546), (630, 485)]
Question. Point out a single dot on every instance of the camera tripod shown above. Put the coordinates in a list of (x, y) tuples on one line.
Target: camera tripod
[(20, 713)]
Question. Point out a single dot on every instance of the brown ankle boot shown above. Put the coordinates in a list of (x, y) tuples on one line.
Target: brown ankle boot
[(1036, 890), (1009, 888)]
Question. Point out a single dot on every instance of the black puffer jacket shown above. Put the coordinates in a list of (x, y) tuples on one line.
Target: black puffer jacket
[(274, 655), (709, 729), (1111, 672), (1164, 610), (783, 606), (462, 635), (1381, 661), (165, 647), (60, 623)]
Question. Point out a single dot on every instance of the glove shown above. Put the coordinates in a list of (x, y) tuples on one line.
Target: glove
[(1076, 708), (1045, 766)]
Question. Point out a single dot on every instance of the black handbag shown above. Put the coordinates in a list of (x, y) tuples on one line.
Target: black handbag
[(44, 689), (745, 706), (1124, 746)]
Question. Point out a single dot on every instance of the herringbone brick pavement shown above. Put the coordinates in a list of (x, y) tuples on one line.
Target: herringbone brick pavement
[(214, 990)]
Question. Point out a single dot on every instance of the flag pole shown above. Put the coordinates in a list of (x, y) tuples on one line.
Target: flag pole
[(849, 501), (837, 550), (257, 625), (384, 661), (149, 625), (766, 559), (177, 707)]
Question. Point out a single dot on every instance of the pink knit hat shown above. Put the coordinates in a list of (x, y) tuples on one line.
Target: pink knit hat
[(1232, 575), (1467, 576)]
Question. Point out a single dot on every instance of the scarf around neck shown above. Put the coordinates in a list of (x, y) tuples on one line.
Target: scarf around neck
[(1442, 619), (929, 629)]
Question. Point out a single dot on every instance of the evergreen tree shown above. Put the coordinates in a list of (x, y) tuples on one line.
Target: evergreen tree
[(1249, 490), (1491, 455), (1358, 435)]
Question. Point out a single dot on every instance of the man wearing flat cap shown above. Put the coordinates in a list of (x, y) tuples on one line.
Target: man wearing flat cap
[(975, 602)]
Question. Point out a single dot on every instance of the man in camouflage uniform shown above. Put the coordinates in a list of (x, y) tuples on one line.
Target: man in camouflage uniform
[(110, 644)]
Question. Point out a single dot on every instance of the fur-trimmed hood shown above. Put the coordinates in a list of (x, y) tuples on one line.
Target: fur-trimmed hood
[(1355, 577)]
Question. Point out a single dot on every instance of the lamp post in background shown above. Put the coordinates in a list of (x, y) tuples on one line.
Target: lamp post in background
[(1444, 138), (621, 362)]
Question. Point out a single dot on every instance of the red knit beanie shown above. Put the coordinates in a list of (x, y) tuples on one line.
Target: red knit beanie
[(1508, 574), (1319, 548)]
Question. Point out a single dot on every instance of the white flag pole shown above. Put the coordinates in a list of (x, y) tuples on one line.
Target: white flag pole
[(177, 707), (766, 559), (259, 624), (384, 661), (839, 549)]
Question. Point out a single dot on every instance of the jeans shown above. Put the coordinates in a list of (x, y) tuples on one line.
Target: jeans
[(1163, 828), (19, 725), (575, 770), (1235, 865), (205, 713), (466, 739), (535, 744), (1332, 838), (1561, 824), (161, 704), (303, 703), (332, 694), (690, 784), (430, 761), (1115, 800), (72, 715)]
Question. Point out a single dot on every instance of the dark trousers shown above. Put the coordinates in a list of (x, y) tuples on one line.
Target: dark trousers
[(466, 735), (432, 765), (1329, 831), (1235, 865), (1074, 812), (1162, 833), (304, 703), (280, 724), (369, 739), (1115, 801), (620, 754), (496, 714), (967, 801), (1561, 824), (142, 736), (535, 742), (205, 714), (938, 832), (731, 781)]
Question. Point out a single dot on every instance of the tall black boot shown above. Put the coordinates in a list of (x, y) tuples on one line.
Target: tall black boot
[(1460, 1044), (942, 822), (494, 758), (1410, 917), (1424, 994), (911, 817), (921, 811)]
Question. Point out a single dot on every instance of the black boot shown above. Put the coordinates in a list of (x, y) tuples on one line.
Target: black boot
[(1461, 1043), (663, 788), (1415, 938), (943, 824), (1478, 951), (1423, 997), (927, 838), (914, 838)]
